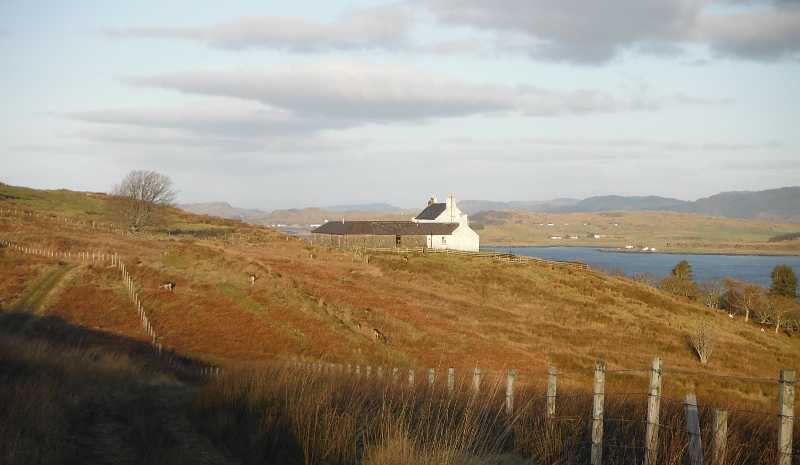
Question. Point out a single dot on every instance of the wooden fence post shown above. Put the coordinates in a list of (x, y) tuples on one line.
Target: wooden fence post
[(552, 379), (451, 379), (369, 370), (786, 416), (511, 377), (380, 372), (693, 430), (431, 376), (411, 378), (358, 369), (720, 433), (597, 412), (653, 412), (476, 381)]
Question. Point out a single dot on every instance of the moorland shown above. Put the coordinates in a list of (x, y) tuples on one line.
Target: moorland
[(74, 352)]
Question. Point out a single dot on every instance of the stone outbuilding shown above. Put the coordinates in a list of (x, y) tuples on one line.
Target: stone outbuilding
[(439, 226)]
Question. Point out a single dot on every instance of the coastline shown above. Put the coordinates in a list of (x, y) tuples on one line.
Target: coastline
[(615, 249)]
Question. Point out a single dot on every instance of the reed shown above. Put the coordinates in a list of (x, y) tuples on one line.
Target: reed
[(283, 413)]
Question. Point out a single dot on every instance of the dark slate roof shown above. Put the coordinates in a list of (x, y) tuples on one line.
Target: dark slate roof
[(432, 211), (386, 228)]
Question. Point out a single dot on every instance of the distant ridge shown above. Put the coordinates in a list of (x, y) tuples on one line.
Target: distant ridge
[(370, 207), (770, 205), (474, 206), (618, 202), (220, 209), (780, 205)]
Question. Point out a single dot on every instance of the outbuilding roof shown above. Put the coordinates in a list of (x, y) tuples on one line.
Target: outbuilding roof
[(386, 228), (432, 211)]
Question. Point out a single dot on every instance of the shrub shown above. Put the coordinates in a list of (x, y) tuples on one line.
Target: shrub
[(679, 286)]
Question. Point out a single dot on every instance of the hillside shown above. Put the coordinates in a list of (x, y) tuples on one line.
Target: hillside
[(770, 205), (220, 209), (667, 231), (618, 202), (773, 205), (299, 218), (309, 304)]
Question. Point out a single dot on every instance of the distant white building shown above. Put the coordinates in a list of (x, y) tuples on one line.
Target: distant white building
[(439, 226), (462, 238)]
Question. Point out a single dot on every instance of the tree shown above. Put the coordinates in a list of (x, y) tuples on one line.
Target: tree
[(784, 282), (741, 297), (139, 196), (774, 310), (683, 270), (682, 287), (711, 292), (647, 278), (703, 343)]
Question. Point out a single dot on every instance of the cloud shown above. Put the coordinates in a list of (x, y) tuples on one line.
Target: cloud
[(759, 35), (220, 116), (597, 32), (682, 98), (354, 93), (383, 26)]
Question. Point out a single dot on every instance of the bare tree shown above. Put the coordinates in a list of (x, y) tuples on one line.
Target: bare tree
[(139, 196), (703, 343), (774, 309), (647, 278), (742, 297), (711, 292)]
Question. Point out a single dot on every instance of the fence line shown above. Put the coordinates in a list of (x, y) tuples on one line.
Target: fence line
[(596, 443), (127, 279)]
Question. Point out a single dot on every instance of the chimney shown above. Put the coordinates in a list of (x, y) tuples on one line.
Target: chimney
[(431, 201)]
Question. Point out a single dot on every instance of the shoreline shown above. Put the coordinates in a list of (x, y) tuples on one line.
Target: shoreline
[(612, 249)]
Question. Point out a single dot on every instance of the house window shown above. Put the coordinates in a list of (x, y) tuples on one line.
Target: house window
[(397, 241)]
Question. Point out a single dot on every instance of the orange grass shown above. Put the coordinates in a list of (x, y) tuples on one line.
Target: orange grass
[(307, 414), (435, 310)]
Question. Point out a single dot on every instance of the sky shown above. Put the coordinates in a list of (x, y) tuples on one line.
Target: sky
[(269, 105)]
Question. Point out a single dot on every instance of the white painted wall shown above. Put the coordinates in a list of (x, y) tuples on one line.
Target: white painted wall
[(463, 238)]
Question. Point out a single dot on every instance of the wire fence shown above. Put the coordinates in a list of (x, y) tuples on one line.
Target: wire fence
[(604, 430), (112, 259)]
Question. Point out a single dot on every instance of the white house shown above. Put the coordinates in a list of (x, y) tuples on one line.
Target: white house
[(462, 238)]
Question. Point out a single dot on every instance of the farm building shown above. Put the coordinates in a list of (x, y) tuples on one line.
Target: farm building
[(439, 226)]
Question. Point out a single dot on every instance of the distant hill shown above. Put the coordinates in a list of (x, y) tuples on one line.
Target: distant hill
[(474, 206), (370, 207), (617, 202), (771, 205), (776, 205), (220, 209)]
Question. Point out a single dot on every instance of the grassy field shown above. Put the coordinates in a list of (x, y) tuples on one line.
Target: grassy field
[(666, 231), (317, 305)]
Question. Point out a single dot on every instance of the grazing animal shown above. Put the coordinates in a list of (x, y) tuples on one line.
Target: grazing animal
[(730, 315), (253, 279), (379, 334), (405, 258), (138, 263), (167, 286), (358, 325)]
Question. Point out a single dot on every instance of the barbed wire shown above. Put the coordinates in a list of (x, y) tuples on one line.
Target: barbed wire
[(715, 375)]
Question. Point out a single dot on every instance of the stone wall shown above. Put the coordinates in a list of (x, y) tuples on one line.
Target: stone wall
[(349, 242)]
